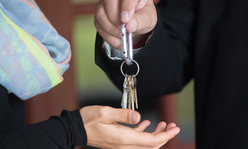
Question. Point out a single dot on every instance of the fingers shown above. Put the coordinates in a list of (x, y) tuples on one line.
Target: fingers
[(107, 21), (170, 132), (112, 8), (139, 15), (105, 24), (151, 140), (170, 129), (160, 137), (144, 20), (127, 9), (103, 20), (112, 40), (142, 126), (160, 128), (141, 4), (169, 126)]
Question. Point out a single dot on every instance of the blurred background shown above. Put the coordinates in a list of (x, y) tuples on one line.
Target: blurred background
[(86, 84)]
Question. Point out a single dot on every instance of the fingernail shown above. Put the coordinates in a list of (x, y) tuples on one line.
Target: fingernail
[(134, 24), (164, 126), (177, 131), (124, 16), (173, 125), (133, 117)]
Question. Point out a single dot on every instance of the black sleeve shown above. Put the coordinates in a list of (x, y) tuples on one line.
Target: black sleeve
[(59, 132), (166, 59)]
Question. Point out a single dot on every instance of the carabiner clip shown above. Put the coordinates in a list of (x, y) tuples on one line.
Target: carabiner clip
[(127, 45)]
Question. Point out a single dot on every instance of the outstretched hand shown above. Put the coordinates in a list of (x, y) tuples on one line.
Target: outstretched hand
[(103, 131)]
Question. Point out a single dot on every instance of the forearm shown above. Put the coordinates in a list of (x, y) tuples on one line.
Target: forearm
[(64, 131)]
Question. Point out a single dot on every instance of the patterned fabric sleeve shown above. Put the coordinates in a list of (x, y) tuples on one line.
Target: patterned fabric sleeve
[(33, 56)]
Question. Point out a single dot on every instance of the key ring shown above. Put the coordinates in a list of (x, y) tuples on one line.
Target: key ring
[(138, 69), (127, 45)]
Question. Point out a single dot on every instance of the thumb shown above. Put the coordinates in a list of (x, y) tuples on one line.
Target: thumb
[(128, 8), (123, 115), (144, 20)]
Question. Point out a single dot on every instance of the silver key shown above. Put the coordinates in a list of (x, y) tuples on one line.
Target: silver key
[(131, 95), (135, 91), (125, 93), (129, 88)]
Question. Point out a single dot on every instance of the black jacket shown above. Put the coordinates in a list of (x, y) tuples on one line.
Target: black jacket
[(59, 132), (206, 40)]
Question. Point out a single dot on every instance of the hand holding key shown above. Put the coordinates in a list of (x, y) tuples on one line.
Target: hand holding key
[(103, 131), (140, 17)]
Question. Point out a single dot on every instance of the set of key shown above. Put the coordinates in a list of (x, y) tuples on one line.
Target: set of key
[(129, 98)]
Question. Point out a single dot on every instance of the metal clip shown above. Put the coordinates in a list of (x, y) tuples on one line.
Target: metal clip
[(127, 45)]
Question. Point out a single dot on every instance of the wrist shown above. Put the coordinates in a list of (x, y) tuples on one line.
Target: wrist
[(140, 41)]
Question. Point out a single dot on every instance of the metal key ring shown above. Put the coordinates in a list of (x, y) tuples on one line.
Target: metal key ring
[(138, 69)]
